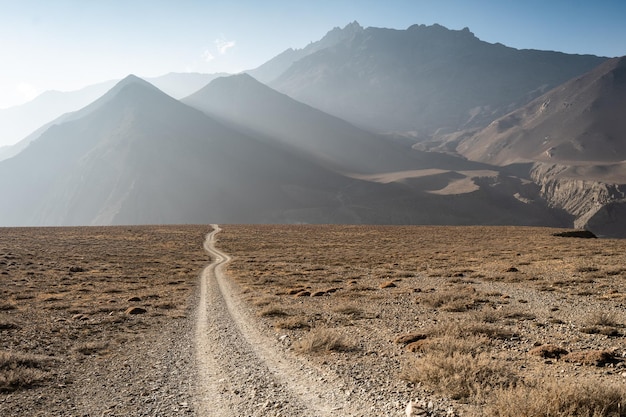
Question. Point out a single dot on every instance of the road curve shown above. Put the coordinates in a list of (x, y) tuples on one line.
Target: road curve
[(244, 373)]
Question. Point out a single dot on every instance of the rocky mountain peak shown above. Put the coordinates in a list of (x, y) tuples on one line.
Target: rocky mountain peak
[(337, 34)]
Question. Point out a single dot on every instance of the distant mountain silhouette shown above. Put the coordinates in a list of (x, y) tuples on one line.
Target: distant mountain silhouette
[(18, 122), (138, 156), (237, 151), (424, 79), (581, 120), (273, 68)]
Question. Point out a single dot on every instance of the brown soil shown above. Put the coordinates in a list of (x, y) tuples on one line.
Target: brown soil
[(105, 313), (121, 321), (487, 296)]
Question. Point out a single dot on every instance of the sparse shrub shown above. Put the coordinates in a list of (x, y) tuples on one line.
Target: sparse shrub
[(323, 340), (7, 305), (603, 318), (410, 338), (450, 344), (350, 310), (293, 323), (592, 357), (454, 300), (548, 351), (265, 301), (8, 324), (559, 398), (21, 370), (465, 330), (492, 332), (91, 348), (587, 269), (462, 376), (583, 234), (272, 311)]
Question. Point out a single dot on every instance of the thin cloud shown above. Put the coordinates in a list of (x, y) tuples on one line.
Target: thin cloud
[(207, 56), (223, 45)]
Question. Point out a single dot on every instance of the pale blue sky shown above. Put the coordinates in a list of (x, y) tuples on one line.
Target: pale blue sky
[(67, 44)]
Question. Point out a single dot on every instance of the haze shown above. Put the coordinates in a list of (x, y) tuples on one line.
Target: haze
[(66, 45)]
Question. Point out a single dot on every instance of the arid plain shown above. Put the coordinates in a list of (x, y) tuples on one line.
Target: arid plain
[(495, 321)]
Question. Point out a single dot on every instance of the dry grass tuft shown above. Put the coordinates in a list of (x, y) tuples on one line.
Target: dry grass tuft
[(469, 329), (559, 398), (91, 348), (548, 351), (456, 300), (272, 311), (410, 338), (460, 375), (21, 370), (7, 323), (603, 318), (293, 323), (602, 322), (592, 357), (7, 305), (449, 345), (323, 341)]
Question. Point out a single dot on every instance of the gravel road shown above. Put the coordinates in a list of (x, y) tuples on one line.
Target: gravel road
[(244, 373)]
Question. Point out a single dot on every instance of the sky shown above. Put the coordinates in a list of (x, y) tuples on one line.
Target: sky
[(68, 44)]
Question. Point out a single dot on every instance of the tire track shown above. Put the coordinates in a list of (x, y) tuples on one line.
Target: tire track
[(240, 371)]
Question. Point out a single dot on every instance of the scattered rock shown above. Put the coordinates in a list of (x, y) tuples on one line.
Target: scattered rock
[(512, 269), (77, 269), (583, 234), (133, 299), (388, 284), (135, 310), (414, 410), (303, 294), (318, 293)]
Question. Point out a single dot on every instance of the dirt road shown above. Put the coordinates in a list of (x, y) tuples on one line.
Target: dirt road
[(244, 373)]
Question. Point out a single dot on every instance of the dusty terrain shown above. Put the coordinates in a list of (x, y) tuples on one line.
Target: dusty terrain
[(69, 345), (310, 321), (503, 321)]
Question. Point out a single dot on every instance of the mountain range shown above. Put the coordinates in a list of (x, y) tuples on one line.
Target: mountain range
[(421, 126), (17, 122), (423, 79)]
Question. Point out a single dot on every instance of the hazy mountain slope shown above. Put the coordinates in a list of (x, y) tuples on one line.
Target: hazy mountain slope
[(424, 78), (181, 84), (581, 120), (18, 122), (254, 107), (574, 136), (138, 156)]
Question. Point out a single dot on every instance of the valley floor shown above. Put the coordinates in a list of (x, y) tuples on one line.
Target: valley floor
[(309, 320)]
